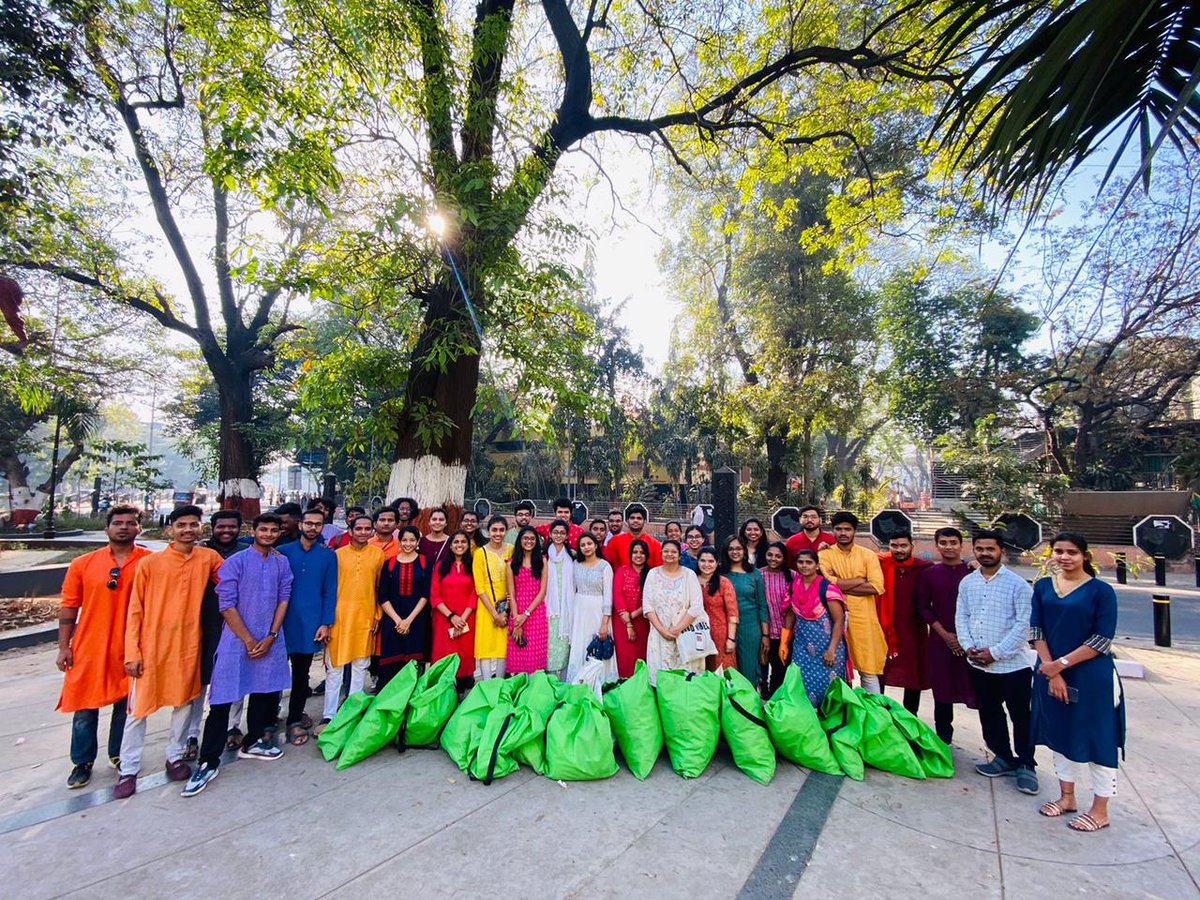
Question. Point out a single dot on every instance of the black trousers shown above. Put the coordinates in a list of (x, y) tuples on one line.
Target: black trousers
[(301, 664), (260, 712), (943, 713), (774, 670), (1011, 691)]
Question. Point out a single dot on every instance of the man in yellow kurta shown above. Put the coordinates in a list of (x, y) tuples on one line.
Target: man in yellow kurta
[(352, 638), (491, 584), (162, 643), (857, 573)]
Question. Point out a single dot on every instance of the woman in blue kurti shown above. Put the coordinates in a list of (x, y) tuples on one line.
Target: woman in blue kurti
[(753, 635), (404, 598), (1078, 704)]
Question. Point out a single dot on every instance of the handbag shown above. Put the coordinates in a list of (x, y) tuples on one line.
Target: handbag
[(695, 641), (601, 649)]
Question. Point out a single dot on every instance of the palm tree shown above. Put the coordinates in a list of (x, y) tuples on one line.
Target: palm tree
[(1049, 82)]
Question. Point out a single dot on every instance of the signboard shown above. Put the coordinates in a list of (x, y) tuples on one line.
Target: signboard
[(1168, 536), (579, 512), (889, 522), (702, 515), (786, 521), (313, 459), (183, 498), (1021, 531), (482, 508)]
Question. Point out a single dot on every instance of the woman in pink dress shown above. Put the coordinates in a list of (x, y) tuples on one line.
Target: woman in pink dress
[(528, 629), (627, 605)]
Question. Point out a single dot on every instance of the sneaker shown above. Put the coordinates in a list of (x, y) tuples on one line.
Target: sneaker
[(199, 780), (80, 775), (260, 750), (192, 751), (126, 787), (114, 762), (178, 770), (1027, 780), (995, 769)]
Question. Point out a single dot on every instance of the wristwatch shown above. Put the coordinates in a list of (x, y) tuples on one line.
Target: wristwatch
[(1064, 662), (272, 634)]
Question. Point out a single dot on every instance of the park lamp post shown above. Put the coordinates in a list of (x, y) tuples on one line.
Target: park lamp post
[(50, 534)]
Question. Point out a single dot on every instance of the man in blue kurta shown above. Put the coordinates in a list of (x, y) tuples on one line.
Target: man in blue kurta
[(309, 613), (253, 589)]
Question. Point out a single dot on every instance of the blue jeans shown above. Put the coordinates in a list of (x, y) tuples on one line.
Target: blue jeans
[(84, 726)]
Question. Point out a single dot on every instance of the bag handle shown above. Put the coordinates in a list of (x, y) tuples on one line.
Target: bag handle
[(745, 712), (491, 768)]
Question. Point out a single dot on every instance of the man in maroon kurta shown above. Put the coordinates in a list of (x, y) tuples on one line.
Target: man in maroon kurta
[(906, 631), (945, 660)]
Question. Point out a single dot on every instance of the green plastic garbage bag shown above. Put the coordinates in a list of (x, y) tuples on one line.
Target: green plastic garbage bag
[(633, 714), (432, 703), (535, 703), (491, 758), (883, 746), (381, 723), (745, 729), (579, 739), (460, 737), (931, 751), (794, 727), (333, 738), (843, 718), (689, 706)]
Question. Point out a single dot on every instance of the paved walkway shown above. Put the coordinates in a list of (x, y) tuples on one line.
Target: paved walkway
[(416, 825)]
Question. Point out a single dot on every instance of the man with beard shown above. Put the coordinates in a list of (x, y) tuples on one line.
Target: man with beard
[(945, 660), (906, 632)]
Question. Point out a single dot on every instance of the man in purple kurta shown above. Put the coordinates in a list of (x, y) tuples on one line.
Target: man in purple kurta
[(945, 660), (253, 589)]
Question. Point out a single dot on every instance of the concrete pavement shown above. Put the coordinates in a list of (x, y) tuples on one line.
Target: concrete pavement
[(415, 825)]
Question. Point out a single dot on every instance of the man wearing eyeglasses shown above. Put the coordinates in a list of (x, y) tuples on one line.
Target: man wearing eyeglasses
[(91, 641)]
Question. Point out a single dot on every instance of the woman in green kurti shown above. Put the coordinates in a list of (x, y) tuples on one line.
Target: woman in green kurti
[(753, 634)]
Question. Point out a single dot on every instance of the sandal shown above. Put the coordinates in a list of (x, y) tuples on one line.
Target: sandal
[(1085, 823), (1054, 809), (321, 726), (306, 720), (233, 738), (297, 736), (192, 751)]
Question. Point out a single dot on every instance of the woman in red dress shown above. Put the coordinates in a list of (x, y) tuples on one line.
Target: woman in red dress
[(720, 602), (453, 599), (627, 605)]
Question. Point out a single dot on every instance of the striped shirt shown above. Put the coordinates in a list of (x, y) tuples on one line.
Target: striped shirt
[(994, 613)]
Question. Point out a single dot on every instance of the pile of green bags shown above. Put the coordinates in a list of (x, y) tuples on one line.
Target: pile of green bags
[(564, 732)]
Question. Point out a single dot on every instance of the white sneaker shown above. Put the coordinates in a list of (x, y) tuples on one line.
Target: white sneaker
[(261, 749)]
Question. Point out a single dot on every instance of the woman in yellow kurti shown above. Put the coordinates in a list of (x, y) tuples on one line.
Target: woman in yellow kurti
[(352, 638), (857, 573), (491, 584)]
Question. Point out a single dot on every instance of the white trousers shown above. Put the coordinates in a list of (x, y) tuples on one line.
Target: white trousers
[(1104, 778), (133, 741), (333, 683), (487, 669), (193, 731), (870, 683)]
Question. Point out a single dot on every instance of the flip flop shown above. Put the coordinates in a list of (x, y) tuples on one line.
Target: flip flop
[(297, 736), (306, 720), (233, 739), (1086, 824), (1054, 809)]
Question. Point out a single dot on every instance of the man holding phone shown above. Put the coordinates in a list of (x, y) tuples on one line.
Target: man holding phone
[(992, 626)]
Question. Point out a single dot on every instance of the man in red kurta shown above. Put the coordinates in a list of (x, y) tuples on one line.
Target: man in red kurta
[(91, 640), (562, 510), (907, 634), (617, 551)]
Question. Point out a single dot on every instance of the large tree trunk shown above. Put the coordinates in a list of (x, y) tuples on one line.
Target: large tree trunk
[(238, 473), (26, 502), (433, 448)]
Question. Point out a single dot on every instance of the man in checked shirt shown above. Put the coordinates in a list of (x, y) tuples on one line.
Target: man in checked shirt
[(992, 624)]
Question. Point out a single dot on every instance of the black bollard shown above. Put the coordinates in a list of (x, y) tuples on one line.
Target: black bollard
[(1160, 571), (1197, 560), (1162, 620), (1122, 569)]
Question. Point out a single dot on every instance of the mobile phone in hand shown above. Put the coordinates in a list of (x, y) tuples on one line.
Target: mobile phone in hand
[(1072, 694)]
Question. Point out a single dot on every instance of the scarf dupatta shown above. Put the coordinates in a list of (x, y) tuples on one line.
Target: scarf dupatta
[(560, 587)]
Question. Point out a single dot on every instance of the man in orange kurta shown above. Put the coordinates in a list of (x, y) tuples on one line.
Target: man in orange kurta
[(91, 640), (162, 643)]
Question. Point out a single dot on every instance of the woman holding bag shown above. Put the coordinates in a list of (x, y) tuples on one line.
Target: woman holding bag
[(560, 598), (591, 617), (672, 602)]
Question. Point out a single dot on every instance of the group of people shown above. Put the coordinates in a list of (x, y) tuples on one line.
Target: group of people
[(240, 619)]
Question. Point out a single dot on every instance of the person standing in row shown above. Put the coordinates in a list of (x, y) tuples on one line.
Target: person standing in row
[(856, 572), (330, 533), (491, 584), (453, 595), (814, 628), (672, 602), (343, 538), (522, 518), (753, 631), (560, 599), (694, 539), (435, 544), (527, 628), (616, 521), (631, 635), (592, 612), (162, 643), (906, 632), (356, 619), (992, 624), (599, 530), (253, 588), (562, 513), (469, 523), (404, 601), (310, 614), (1078, 702), (810, 536), (777, 587), (91, 641), (721, 608), (946, 660), (754, 538), (617, 551), (673, 531), (385, 533)]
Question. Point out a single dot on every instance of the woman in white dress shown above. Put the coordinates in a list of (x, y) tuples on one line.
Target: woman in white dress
[(672, 601), (590, 616), (560, 598)]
